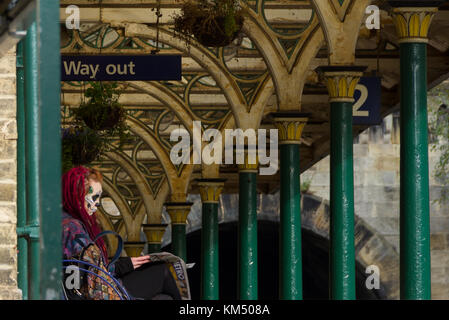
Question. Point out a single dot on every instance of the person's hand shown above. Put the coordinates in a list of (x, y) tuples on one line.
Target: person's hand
[(139, 261)]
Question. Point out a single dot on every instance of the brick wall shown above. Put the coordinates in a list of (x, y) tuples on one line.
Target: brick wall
[(8, 212)]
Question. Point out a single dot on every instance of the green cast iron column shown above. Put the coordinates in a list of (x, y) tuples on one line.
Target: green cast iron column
[(179, 241), (32, 134), (49, 57), (154, 247), (248, 289), (290, 225), (154, 234), (341, 83), (178, 212), (415, 272), (210, 190), (414, 219), (22, 242), (290, 128), (342, 257), (209, 252)]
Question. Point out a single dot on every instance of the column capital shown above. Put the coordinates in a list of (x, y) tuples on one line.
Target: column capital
[(210, 189), (290, 126), (341, 81), (154, 232), (178, 211), (412, 19)]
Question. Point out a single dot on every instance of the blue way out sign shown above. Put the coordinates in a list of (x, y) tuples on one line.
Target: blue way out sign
[(121, 68), (367, 102)]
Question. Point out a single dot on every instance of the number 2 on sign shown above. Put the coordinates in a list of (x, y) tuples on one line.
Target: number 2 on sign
[(356, 112)]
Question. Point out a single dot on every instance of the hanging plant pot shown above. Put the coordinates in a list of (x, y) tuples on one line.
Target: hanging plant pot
[(101, 117), (213, 23), (80, 146), (101, 111), (212, 32)]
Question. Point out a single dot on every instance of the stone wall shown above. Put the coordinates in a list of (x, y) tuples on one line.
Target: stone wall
[(376, 190), (8, 212)]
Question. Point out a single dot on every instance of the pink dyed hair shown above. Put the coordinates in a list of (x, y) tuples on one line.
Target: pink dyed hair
[(74, 188)]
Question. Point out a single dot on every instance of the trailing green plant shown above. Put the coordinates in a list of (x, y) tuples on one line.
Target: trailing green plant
[(305, 186), (99, 120), (213, 23), (80, 146), (102, 111)]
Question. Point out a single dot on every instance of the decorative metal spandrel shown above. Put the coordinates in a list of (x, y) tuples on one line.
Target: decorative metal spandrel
[(304, 17)]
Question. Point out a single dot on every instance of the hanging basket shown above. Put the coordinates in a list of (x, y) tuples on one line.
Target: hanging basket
[(212, 23), (101, 117), (80, 146), (212, 33)]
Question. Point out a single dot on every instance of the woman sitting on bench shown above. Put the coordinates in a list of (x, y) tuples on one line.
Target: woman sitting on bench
[(147, 277)]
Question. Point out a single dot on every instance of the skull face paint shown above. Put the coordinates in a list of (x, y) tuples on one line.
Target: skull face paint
[(92, 199)]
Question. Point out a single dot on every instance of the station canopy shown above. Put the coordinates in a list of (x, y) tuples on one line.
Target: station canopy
[(270, 67)]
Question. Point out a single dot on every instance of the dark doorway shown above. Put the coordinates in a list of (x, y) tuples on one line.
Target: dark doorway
[(315, 250)]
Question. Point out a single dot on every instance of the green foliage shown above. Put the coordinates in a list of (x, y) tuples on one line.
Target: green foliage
[(80, 146), (439, 137), (102, 92), (98, 120), (214, 23), (102, 112), (305, 186), (230, 25)]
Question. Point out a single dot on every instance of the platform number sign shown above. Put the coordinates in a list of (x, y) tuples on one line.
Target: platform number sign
[(366, 110)]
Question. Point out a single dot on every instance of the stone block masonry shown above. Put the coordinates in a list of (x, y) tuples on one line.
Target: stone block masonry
[(8, 178)]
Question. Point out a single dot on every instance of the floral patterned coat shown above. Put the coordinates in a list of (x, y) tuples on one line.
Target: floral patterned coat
[(74, 239)]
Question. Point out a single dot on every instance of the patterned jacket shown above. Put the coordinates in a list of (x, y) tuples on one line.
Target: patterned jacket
[(74, 239)]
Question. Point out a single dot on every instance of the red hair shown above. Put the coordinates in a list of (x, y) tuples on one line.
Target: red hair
[(74, 188)]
